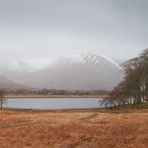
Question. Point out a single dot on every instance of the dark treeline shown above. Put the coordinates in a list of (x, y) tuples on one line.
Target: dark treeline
[(58, 92), (133, 90)]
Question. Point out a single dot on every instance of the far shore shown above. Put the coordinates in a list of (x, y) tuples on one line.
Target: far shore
[(12, 96)]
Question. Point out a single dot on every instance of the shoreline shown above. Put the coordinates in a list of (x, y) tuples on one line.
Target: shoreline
[(55, 96), (55, 110), (89, 110)]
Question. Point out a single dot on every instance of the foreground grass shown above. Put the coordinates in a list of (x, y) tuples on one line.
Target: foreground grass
[(70, 129)]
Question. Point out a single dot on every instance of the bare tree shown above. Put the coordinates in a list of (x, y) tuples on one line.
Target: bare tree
[(2, 99)]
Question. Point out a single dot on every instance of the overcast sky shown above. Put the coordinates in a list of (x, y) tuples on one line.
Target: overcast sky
[(31, 29)]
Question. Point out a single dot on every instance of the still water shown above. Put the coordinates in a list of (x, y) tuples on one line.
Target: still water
[(54, 103)]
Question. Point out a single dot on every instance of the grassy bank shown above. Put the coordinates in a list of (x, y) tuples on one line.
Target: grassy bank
[(74, 128)]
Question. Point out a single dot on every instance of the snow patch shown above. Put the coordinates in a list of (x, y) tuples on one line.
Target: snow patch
[(112, 61)]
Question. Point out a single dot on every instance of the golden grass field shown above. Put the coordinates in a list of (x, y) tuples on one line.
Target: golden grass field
[(73, 129)]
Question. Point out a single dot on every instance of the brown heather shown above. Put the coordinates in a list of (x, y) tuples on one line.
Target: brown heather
[(80, 129)]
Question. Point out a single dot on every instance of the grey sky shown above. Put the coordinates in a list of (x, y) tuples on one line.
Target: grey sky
[(50, 28)]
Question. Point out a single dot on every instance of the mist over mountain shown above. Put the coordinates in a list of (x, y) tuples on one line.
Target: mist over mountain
[(5, 83), (86, 71)]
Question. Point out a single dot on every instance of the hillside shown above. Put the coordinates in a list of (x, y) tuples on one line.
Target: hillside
[(8, 84)]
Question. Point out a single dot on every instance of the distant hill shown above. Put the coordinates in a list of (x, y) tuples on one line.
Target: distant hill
[(8, 84)]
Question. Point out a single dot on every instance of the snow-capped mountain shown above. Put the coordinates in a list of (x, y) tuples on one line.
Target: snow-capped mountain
[(86, 71), (85, 59)]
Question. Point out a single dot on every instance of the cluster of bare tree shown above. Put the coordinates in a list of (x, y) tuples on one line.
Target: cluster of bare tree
[(133, 90)]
